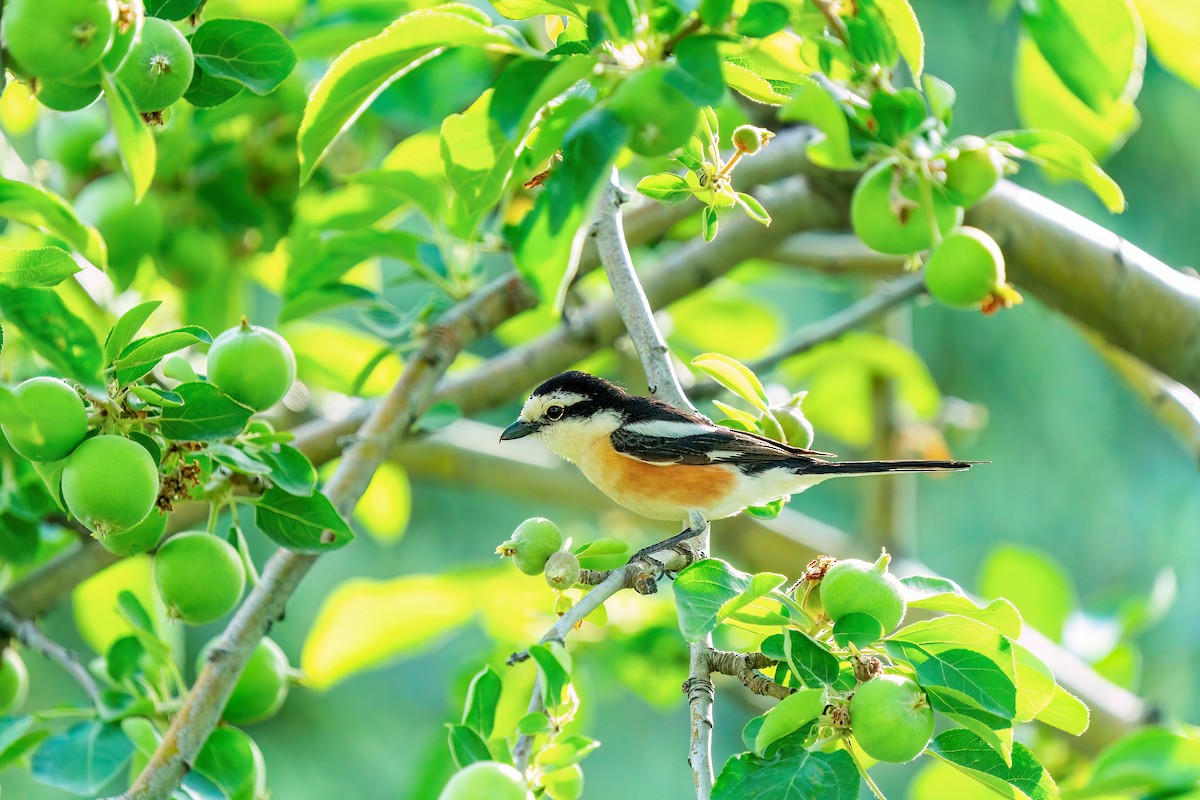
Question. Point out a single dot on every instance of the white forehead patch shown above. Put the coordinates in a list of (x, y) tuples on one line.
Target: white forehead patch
[(535, 407), (669, 429)]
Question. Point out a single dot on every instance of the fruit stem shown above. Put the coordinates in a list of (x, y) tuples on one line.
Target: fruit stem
[(881, 565), (214, 511), (245, 325), (792, 606), (865, 776)]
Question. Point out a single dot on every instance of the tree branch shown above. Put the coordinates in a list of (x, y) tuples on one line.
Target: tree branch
[(638, 318), (745, 667), (389, 422), (32, 637)]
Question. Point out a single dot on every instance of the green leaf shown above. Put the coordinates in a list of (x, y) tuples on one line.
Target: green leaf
[(42, 209), (156, 397), (546, 244), (763, 18), (1154, 762), (962, 673), (801, 775), (789, 715), (996, 731), (1043, 102), (358, 75), (967, 752), (528, 84), (134, 140), (708, 591), (82, 759), (127, 327), (466, 746), (18, 737), (476, 155), (209, 91), (1062, 156), (206, 414), (231, 760), (565, 751), (1037, 585), (1066, 712), (39, 266), (1093, 48), (143, 355), (290, 470), (665, 187), (171, 9), (479, 713), (926, 593), (814, 105), (734, 376), (236, 459), (554, 668), (1172, 27), (55, 333), (307, 524), (810, 660), (714, 13), (941, 97), (858, 629), (902, 21), (252, 53), (753, 208)]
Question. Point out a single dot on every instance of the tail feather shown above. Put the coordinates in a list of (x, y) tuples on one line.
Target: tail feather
[(834, 468)]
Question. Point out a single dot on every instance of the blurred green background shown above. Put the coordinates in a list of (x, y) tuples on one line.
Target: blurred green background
[(1080, 469)]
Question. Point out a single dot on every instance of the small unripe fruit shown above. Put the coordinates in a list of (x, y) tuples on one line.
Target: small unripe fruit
[(200, 577), (977, 169), (131, 230), (14, 682), (890, 718), (69, 138), (110, 483), (159, 67), (57, 38), (141, 538), (59, 415), (852, 586), (562, 570), (532, 544), (486, 780), (234, 756), (262, 687), (898, 224), (749, 139), (797, 430), (62, 96), (564, 784), (967, 270), (253, 365)]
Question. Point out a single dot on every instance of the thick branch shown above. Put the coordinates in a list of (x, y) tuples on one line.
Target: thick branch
[(32, 637), (1097, 278), (391, 420)]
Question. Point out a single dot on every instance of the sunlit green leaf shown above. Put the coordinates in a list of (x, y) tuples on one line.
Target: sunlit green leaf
[(53, 331), (734, 376), (247, 51), (134, 140), (358, 75), (39, 208), (789, 715), (307, 524), (1062, 156), (206, 414), (966, 751), (40, 266)]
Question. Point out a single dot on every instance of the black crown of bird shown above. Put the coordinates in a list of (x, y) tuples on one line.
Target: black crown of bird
[(662, 462)]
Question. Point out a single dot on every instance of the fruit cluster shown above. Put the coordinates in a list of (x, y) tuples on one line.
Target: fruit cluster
[(66, 49), (537, 547), (889, 716), (900, 211)]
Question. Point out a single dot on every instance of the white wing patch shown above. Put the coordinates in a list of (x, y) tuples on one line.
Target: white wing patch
[(669, 429)]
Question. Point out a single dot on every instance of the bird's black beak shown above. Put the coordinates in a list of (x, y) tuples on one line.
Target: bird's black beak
[(518, 430)]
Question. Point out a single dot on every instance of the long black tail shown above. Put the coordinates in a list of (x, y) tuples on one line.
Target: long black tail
[(833, 468)]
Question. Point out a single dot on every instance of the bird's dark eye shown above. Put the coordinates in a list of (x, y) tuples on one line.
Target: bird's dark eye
[(555, 412)]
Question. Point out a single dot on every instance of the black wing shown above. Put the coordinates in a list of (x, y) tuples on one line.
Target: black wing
[(710, 444)]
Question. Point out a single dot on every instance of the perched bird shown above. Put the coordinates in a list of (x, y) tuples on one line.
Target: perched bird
[(662, 462)]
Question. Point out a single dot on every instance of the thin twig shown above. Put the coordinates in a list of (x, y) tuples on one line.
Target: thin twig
[(745, 667), (390, 421), (826, 7), (32, 637), (885, 299)]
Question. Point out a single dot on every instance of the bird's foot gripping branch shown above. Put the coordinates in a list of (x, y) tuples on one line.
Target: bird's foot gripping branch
[(856, 665)]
